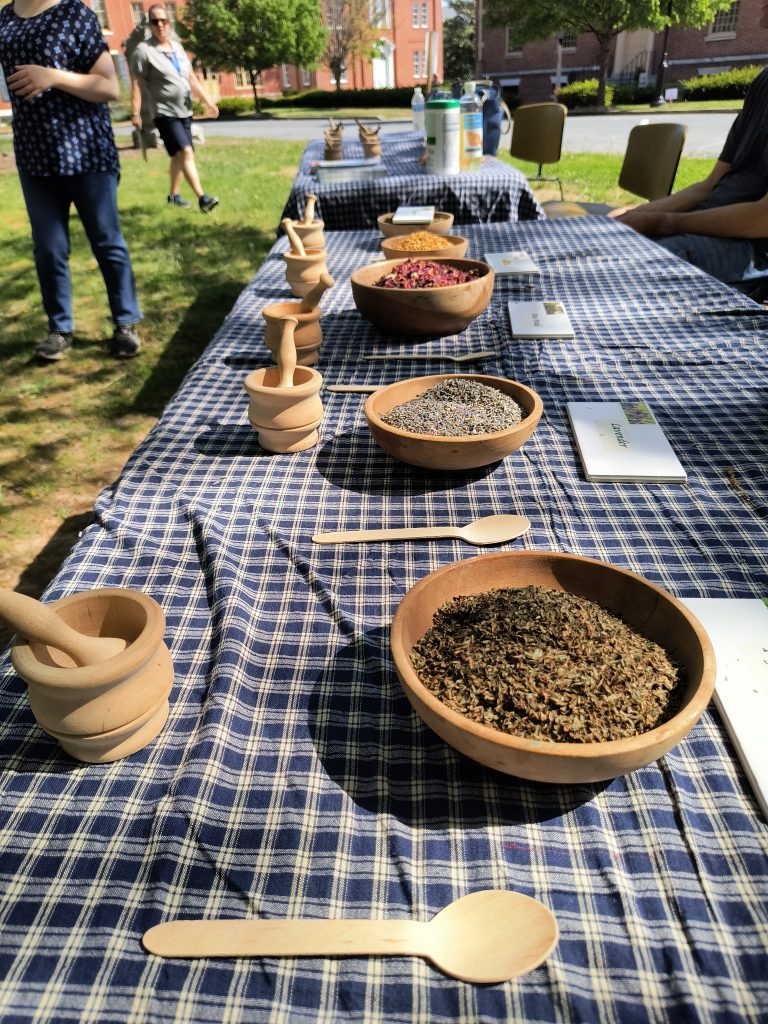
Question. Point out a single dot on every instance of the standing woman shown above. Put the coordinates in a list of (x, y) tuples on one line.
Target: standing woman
[(61, 77)]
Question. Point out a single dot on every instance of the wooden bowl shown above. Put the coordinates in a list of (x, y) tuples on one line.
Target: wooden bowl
[(422, 312), (456, 250), (441, 225), (642, 605), (451, 453)]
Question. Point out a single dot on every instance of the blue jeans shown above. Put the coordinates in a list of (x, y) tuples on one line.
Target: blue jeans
[(48, 202), (727, 259)]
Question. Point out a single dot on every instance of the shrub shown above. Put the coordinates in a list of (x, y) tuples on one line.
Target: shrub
[(331, 99), (725, 85), (231, 106), (582, 94), (634, 93)]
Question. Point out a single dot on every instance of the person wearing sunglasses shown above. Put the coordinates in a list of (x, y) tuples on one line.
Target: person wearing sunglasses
[(61, 78), (161, 68)]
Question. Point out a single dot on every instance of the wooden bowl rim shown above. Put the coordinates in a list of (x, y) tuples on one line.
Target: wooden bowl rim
[(386, 218), (690, 713), (384, 266), (461, 439)]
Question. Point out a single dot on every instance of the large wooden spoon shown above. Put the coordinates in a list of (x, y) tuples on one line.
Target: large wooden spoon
[(486, 937), (34, 620), (466, 357), (490, 530)]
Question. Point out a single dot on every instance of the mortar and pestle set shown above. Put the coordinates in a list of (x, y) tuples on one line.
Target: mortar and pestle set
[(371, 142), (96, 666), (284, 405), (332, 138), (303, 265), (307, 335)]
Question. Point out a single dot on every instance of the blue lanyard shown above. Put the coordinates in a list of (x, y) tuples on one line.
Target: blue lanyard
[(174, 59)]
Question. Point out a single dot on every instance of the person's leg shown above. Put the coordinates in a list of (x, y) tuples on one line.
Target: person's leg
[(48, 202), (177, 172), (727, 259), (95, 197), (188, 168)]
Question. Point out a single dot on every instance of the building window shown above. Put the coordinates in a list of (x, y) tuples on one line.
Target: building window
[(419, 64), (379, 14), (137, 13), (415, 14), (170, 10), (286, 77), (424, 15), (567, 40), (100, 10), (725, 21), (306, 77), (343, 80), (242, 79), (333, 14), (511, 48)]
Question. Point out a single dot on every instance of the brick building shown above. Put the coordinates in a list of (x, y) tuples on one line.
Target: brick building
[(530, 72), (402, 61)]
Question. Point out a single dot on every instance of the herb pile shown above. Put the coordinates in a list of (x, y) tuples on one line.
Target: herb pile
[(425, 274), (456, 408), (419, 241), (546, 665)]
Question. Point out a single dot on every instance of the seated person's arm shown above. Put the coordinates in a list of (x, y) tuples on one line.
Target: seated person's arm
[(679, 202), (739, 220), (99, 85)]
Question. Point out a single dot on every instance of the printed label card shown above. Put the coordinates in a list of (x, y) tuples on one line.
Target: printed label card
[(622, 442), (511, 263), (413, 215), (547, 319)]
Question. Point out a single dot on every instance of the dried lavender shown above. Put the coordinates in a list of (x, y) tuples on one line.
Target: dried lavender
[(456, 408), (546, 665), (425, 274)]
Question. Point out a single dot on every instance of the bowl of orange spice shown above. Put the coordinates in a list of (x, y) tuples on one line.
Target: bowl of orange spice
[(424, 243)]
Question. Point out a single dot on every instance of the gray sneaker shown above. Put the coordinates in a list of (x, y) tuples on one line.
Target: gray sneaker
[(125, 342), (176, 200), (207, 202), (54, 346)]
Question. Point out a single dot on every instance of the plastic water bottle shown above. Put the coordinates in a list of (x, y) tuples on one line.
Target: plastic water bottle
[(417, 110), (471, 129)]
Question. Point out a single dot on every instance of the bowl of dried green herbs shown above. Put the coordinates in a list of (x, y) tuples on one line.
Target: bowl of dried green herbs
[(453, 421), (425, 298), (551, 666)]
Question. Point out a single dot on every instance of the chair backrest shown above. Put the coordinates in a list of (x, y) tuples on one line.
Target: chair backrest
[(537, 132), (651, 159)]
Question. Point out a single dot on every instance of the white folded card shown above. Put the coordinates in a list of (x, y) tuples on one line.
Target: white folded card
[(738, 629), (621, 441), (511, 263), (546, 319), (413, 215)]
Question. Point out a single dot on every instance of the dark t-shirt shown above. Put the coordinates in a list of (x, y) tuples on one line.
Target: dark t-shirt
[(746, 150), (57, 133)]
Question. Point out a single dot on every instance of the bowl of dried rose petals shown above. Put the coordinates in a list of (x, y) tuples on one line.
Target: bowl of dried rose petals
[(424, 244), (426, 298), (551, 666)]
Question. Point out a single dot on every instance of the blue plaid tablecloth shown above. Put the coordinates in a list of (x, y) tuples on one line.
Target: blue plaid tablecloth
[(292, 778), (495, 192)]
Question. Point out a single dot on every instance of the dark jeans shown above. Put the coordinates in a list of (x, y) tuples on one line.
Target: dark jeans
[(95, 198), (727, 259)]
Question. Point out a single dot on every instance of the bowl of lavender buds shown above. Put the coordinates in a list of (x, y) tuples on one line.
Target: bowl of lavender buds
[(551, 666), (454, 421), (425, 298)]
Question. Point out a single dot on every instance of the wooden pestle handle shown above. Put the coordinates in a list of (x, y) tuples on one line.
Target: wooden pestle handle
[(309, 208), (297, 246), (34, 620), (238, 938), (313, 296), (286, 352), (396, 533)]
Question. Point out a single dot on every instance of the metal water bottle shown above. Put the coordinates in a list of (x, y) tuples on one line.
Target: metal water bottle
[(443, 136)]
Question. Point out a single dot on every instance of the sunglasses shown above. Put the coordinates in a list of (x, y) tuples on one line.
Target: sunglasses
[(158, 21)]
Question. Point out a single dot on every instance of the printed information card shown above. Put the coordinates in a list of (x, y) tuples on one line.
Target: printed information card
[(511, 263), (546, 319), (622, 442), (413, 215)]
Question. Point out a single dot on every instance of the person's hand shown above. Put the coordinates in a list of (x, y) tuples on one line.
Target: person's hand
[(617, 213), (136, 121), (646, 222), (29, 81), (213, 110)]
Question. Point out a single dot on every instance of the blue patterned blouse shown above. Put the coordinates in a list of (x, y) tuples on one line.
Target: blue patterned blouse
[(56, 133)]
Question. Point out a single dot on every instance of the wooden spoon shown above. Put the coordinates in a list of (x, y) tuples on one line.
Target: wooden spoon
[(309, 208), (467, 357), (315, 293), (487, 937), (34, 620), (297, 246), (490, 530)]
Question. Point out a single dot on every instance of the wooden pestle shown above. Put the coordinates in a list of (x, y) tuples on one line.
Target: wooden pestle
[(313, 296), (286, 352), (297, 246), (309, 209)]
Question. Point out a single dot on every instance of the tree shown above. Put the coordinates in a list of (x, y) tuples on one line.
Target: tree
[(604, 19), (350, 34), (459, 41), (226, 35)]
